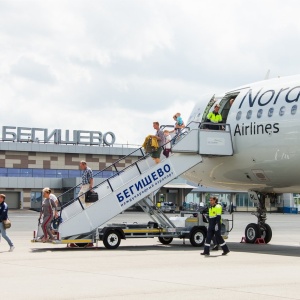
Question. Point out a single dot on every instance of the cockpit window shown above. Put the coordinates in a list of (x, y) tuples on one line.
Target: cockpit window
[(259, 113), (249, 114), (270, 113), (282, 111), (238, 116), (294, 109)]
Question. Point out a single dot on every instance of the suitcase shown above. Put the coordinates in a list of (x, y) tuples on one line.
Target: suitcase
[(91, 197)]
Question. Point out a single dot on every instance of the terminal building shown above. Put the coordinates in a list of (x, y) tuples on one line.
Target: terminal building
[(29, 163)]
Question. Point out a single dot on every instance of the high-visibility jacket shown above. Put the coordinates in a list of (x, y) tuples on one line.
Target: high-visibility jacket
[(214, 117), (214, 214)]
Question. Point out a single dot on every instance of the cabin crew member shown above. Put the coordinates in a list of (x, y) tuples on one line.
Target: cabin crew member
[(87, 180), (214, 227), (214, 117)]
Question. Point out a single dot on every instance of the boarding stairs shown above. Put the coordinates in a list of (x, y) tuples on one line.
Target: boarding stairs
[(140, 180)]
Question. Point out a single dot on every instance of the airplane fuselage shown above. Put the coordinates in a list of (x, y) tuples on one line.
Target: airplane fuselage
[(265, 127)]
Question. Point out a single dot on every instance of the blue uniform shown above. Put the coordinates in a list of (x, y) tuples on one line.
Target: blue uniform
[(214, 229)]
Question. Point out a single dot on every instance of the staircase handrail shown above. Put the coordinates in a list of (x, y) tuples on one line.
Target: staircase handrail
[(105, 169), (144, 155)]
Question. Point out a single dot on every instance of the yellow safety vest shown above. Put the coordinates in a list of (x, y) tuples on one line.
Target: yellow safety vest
[(214, 118), (215, 211)]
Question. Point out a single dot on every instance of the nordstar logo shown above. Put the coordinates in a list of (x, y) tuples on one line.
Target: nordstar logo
[(145, 183), (262, 97)]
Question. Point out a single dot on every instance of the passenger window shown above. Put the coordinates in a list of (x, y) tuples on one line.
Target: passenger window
[(294, 109), (259, 113), (282, 111), (270, 113), (249, 114), (238, 116)]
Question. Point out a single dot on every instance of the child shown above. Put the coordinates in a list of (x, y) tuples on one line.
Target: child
[(179, 121), (178, 126), (167, 146)]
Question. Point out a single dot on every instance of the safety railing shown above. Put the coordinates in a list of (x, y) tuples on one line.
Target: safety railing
[(113, 166), (110, 184)]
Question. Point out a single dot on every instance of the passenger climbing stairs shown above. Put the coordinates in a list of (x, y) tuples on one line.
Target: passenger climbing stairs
[(141, 179)]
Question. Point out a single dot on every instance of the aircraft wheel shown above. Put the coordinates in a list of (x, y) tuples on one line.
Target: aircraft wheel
[(251, 233), (165, 240), (197, 237), (111, 239), (266, 233)]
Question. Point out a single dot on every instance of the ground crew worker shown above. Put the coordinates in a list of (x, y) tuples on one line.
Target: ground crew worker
[(214, 227), (214, 117)]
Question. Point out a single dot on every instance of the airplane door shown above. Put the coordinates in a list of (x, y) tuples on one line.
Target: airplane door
[(223, 101), (210, 104)]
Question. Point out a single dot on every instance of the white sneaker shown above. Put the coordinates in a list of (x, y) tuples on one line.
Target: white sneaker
[(11, 249)]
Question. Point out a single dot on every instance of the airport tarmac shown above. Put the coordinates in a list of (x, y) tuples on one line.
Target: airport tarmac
[(145, 269)]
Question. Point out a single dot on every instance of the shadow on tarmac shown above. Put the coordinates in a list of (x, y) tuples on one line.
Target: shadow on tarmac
[(269, 249)]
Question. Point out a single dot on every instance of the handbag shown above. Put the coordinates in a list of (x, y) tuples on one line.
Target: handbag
[(166, 152), (91, 197), (55, 222), (6, 223)]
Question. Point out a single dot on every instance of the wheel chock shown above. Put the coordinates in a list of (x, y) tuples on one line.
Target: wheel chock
[(243, 240), (260, 241)]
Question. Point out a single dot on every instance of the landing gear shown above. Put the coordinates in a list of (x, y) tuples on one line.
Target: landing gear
[(251, 233), (261, 229), (266, 233)]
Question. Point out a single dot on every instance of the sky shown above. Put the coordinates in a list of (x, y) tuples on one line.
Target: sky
[(119, 65)]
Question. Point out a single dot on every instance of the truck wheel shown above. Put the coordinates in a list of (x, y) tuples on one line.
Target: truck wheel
[(111, 239), (252, 233), (197, 237), (165, 240), (266, 233)]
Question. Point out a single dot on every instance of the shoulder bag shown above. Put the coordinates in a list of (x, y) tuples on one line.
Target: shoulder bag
[(6, 223)]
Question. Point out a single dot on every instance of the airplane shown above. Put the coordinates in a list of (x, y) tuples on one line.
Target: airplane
[(262, 129), (265, 130)]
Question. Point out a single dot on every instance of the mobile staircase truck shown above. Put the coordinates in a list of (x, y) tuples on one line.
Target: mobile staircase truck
[(138, 183)]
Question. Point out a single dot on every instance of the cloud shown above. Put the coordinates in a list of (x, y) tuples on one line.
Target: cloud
[(32, 70), (119, 65)]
